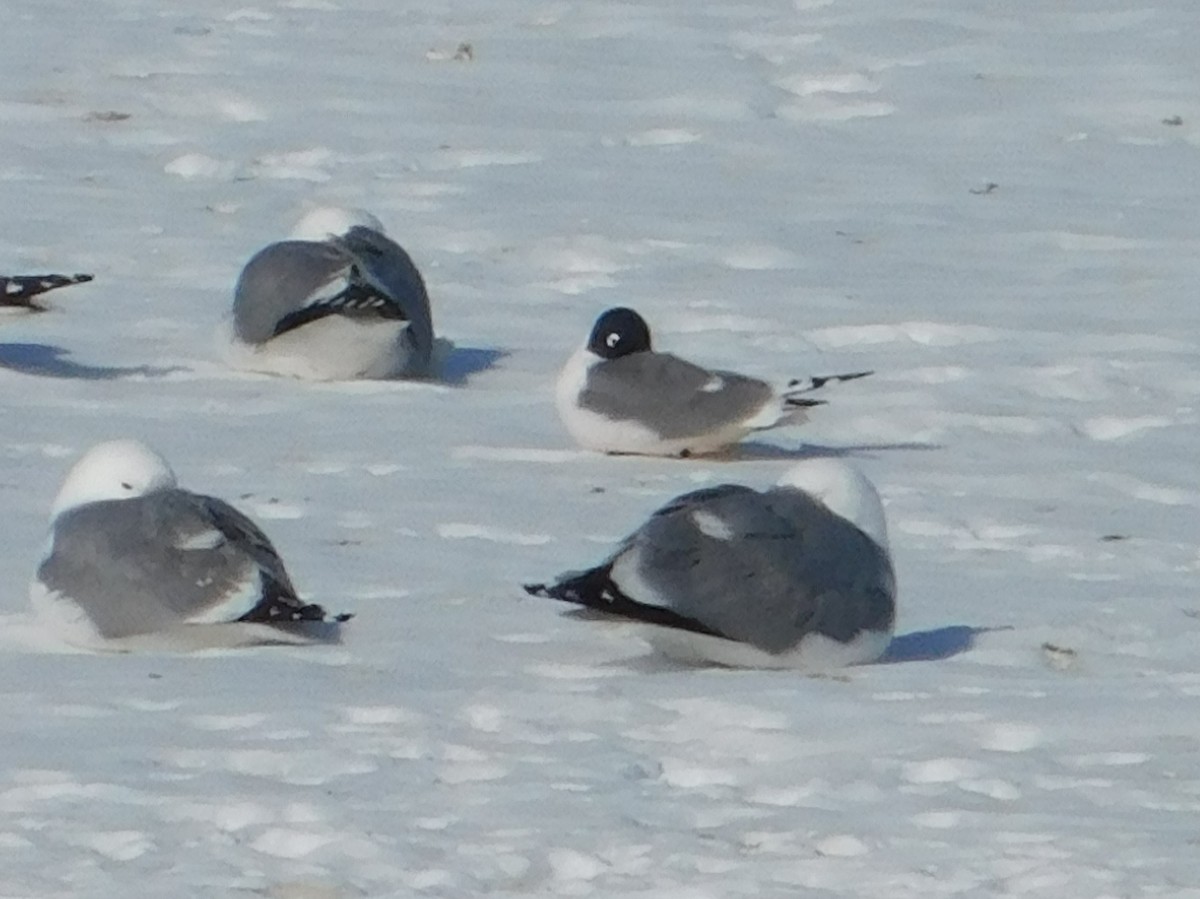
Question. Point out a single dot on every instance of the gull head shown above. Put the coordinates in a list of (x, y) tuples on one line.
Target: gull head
[(619, 332), (118, 469), (334, 221), (844, 490)]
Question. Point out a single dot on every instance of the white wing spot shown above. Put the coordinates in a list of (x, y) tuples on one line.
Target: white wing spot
[(713, 384), (209, 539), (712, 526)]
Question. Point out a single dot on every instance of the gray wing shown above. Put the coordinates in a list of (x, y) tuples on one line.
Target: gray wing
[(763, 568), (282, 279), (150, 563), (384, 266), (671, 396)]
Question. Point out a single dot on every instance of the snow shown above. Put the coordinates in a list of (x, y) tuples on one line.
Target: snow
[(991, 206)]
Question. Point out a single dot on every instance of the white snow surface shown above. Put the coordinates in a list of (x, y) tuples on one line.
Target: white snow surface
[(992, 205)]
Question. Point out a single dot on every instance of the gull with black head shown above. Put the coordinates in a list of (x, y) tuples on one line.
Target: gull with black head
[(617, 394)]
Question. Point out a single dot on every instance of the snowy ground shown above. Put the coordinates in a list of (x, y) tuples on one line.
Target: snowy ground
[(993, 205)]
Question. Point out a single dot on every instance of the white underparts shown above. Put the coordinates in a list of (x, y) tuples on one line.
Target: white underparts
[(594, 431), (334, 348), (814, 652)]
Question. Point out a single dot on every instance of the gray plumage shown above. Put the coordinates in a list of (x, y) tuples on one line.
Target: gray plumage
[(149, 563), (765, 569), (362, 274), (671, 396)]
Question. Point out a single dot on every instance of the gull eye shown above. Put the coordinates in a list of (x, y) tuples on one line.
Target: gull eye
[(612, 339), (127, 485)]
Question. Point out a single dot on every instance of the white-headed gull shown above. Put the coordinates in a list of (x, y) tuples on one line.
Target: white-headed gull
[(338, 301), (135, 561), (796, 576)]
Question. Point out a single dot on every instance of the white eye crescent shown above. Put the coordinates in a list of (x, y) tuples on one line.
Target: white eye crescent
[(612, 340)]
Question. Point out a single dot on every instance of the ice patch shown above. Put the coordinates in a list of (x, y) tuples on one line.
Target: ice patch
[(993, 788), (923, 333), (834, 83), (571, 865), (462, 531), (379, 716), (283, 842), (1091, 243), (662, 137), (939, 771), (227, 722), (194, 166), (700, 323), (471, 159), (562, 671), (945, 374), (574, 285), (226, 816), (1110, 759), (938, 820), (841, 846), (1144, 490), (687, 775), (1111, 427), (298, 766), (485, 718), (248, 14), (518, 454), (298, 165), (1011, 737), (820, 108), (759, 258), (472, 772), (120, 845)]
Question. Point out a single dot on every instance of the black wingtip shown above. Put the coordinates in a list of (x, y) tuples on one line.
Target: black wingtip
[(19, 290), (282, 609), (595, 589), (803, 385), (356, 301)]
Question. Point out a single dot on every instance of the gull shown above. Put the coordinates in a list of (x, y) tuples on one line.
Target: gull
[(135, 561), (617, 394), (795, 576), (339, 300)]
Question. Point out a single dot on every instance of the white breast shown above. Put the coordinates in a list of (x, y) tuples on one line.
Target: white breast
[(336, 348)]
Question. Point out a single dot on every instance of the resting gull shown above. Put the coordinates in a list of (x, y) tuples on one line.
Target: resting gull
[(338, 301), (796, 576), (617, 394), (135, 561)]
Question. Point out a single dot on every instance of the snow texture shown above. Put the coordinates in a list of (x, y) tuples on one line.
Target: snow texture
[(990, 205)]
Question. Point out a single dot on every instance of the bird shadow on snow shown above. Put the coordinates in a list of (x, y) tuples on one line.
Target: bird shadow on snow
[(45, 361), (752, 451), (458, 364), (932, 646)]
